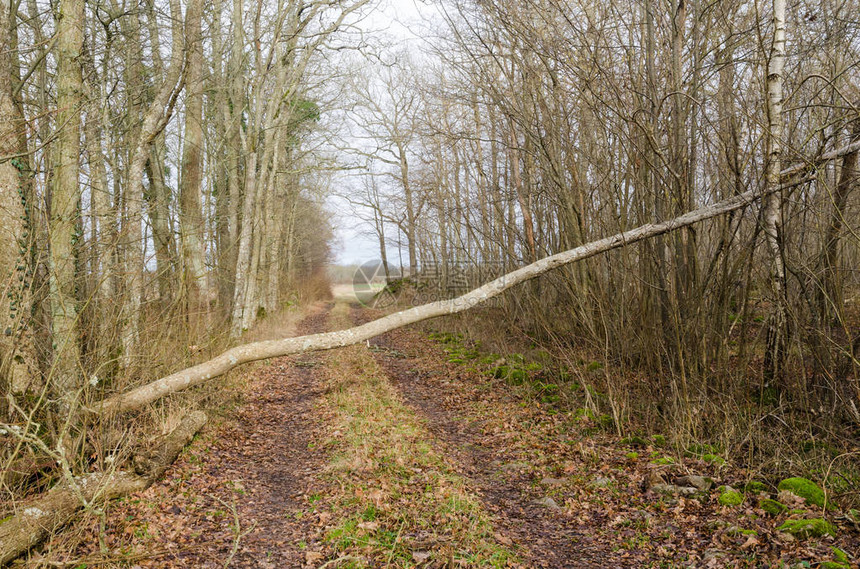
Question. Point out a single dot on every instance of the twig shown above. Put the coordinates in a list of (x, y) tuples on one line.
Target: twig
[(237, 528), (394, 545), (339, 559)]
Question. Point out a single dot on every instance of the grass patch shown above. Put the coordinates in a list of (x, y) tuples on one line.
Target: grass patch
[(400, 500)]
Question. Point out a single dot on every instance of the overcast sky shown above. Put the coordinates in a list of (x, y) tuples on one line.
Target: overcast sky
[(404, 21)]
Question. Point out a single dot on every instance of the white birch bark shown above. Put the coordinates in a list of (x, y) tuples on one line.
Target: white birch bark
[(145, 394), (778, 324)]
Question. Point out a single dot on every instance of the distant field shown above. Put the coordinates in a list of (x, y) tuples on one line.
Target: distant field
[(347, 292)]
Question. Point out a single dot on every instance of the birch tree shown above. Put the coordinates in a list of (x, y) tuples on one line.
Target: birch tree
[(778, 324)]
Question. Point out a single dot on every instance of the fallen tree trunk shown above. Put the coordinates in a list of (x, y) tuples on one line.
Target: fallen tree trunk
[(141, 396), (37, 519), (145, 394)]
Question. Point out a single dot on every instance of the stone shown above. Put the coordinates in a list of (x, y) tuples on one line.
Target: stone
[(600, 482), (673, 490), (548, 503), (755, 487), (735, 530), (699, 482)]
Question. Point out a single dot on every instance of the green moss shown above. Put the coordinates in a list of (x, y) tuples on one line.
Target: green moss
[(730, 497), (664, 460), (500, 372), (772, 507), (659, 440), (755, 487), (510, 374), (714, 459), (740, 531), (815, 527), (839, 555), (490, 359), (594, 393), (634, 441), (551, 388), (807, 489), (583, 412), (518, 376), (594, 366), (632, 455)]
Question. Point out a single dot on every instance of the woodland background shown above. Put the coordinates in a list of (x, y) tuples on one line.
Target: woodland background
[(165, 166)]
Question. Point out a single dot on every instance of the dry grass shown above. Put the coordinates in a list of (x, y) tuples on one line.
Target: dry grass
[(760, 430), (401, 501), (107, 443)]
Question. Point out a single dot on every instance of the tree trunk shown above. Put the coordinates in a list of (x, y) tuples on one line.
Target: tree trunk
[(410, 211), (830, 297), (158, 206), (777, 331), (65, 199), (141, 396), (243, 260), (191, 227), (17, 368), (154, 121)]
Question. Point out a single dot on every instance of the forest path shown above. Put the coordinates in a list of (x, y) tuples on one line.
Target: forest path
[(499, 468), (262, 470), (390, 454), (238, 495)]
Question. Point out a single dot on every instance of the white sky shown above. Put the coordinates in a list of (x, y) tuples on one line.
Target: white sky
[(403, 21)]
